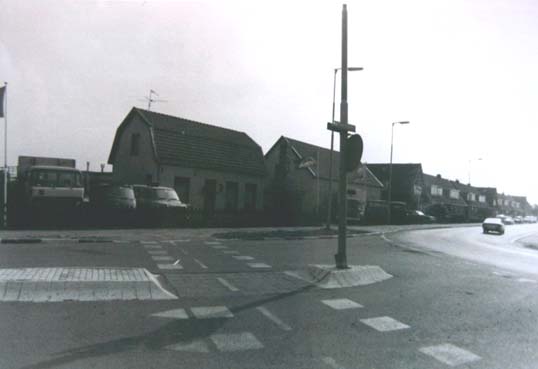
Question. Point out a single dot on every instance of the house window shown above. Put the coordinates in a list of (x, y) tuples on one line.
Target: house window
[(454, 194), (135, 144), (506, 202), (232, 195), (417, 190), (436, 191), (182, 185), (482, 198), (471, 197), (250, 196)]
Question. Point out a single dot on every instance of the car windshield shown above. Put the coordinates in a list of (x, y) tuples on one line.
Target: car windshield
[(163, 194)]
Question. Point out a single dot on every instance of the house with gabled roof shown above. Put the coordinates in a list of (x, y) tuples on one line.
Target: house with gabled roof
[(407, 182), (298, 177), (212, 168), (443, 199), (477, 208)]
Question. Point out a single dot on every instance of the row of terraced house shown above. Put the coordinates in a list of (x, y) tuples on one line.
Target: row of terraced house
[(222, 171)]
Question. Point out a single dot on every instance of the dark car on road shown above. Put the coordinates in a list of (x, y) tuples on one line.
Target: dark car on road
[(418, 217)]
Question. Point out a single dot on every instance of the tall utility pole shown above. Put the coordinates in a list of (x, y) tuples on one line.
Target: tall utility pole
[(341, 257), (346, 164)]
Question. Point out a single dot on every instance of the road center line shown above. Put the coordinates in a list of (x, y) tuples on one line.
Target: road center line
[(202, 265), (227, 284), (273, 318)]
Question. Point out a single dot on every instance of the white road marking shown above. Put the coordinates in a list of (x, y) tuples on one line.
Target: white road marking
[(227, 284), (526, 280), (236, 341), (149, 247), (384, 324), (212, 243), (184, 240), (258, 265), (230, 252), (194, 346), (176, 262), (273, 318), (149, 242), (184, 252), (450, 354), (202, 265), (169, 266), (157, 252), (172, 314), (162, 258), (243, 257), (211, 312), (221, 247), (341, 304), (331, 362)]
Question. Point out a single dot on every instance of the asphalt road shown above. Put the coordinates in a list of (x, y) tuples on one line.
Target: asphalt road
[(237, 308)]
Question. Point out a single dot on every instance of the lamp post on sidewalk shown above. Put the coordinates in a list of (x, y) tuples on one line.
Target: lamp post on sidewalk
[(389, 211), (329, 210)]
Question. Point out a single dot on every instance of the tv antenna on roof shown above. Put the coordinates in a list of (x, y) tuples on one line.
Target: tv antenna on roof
[(150, 99)]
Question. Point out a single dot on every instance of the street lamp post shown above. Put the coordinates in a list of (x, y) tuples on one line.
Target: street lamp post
[(329, 210), (389, 210)]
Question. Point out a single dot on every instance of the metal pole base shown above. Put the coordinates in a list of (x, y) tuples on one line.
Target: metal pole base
[(341, 261)]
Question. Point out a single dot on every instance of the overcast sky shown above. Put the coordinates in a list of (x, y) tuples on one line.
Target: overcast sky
[(464, 72)]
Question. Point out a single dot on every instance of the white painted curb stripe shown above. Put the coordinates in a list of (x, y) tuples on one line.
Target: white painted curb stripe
[(227, 284), (273, 318), (202, 265)]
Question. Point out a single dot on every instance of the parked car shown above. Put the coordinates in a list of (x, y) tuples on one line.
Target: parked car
[(493, 225), (111, 205), (159, 206), (418, 217), (508, 220), (518, 219), (153, 197), (529, 219), (113, 197)]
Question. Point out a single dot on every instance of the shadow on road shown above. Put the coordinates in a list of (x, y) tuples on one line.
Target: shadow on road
[(177, 331)]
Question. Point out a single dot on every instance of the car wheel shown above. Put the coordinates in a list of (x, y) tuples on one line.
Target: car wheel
[(501, 233)]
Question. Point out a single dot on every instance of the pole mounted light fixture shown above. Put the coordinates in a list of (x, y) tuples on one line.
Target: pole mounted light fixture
[(389, 195)]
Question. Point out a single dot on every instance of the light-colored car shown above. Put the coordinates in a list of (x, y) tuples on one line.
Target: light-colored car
[(493, 225)]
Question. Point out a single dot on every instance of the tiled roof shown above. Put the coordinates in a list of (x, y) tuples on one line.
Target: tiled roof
[(403, 175), (445, 184), (186, 143), (306, 150)]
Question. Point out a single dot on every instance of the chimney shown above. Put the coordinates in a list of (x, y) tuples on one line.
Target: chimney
[(438, 176)]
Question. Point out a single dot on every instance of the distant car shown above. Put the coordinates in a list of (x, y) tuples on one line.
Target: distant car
[(418, 217), (518, 219), (508, 220), (113, 197), (153, 197), (529, 219), (493, 225)]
